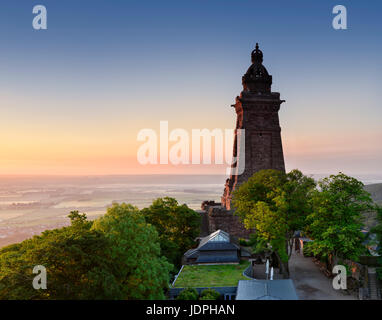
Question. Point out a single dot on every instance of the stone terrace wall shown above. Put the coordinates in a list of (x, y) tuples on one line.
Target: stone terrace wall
[(220, 218)]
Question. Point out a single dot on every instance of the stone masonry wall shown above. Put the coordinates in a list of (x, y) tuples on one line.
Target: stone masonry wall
[(220, 218)]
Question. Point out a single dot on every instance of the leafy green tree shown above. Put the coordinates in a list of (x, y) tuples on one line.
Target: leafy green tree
[(307, 249), (141, 271), (188, 294), (276, 205), (177, 226), (209, 294), (74, 258), (336, 221), (296, 199), (116, 257)]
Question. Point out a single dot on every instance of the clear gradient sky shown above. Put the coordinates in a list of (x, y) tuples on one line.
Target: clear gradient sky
[(73, 97)]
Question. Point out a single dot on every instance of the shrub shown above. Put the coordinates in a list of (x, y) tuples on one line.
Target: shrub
[(253, 240), (209, 294), (188, 294), (243, 242), (307, 250)]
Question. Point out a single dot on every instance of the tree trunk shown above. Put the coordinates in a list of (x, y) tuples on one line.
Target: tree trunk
[(332, 261), (284, 267)]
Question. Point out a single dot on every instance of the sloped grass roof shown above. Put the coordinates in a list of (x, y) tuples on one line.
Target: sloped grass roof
[(224, 275)]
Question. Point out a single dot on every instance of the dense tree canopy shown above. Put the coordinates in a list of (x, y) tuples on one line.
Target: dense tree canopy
[(135, 252), (188, 294), (275, 204), (177, 226), (116, 257), (378, 229), (336, 221), (73, 257)]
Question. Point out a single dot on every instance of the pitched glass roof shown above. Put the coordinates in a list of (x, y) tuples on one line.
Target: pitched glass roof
[(217, 236)]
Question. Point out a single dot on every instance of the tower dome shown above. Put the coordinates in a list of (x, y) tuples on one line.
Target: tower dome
[(257, 78)]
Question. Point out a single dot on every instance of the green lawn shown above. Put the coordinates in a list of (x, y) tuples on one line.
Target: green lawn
[(225, 275)]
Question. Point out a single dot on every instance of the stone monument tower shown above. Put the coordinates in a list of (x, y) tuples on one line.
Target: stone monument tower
[(257, 113)]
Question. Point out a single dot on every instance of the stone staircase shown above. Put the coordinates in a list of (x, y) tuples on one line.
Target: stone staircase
[(373, 284)]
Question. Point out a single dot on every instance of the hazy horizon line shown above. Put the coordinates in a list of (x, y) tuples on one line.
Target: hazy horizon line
[(161, 174)]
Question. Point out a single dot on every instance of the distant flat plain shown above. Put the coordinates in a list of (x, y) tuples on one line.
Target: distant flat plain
[(32, 204)]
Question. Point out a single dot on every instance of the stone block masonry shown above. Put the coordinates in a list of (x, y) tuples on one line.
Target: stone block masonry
[(256, 110), (215, 217)]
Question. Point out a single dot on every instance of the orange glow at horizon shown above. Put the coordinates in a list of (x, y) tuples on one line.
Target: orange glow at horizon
[(86, 139), (97, 157)]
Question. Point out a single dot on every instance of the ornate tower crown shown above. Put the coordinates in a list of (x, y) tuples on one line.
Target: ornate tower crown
[(257, 79), (257, 55)]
